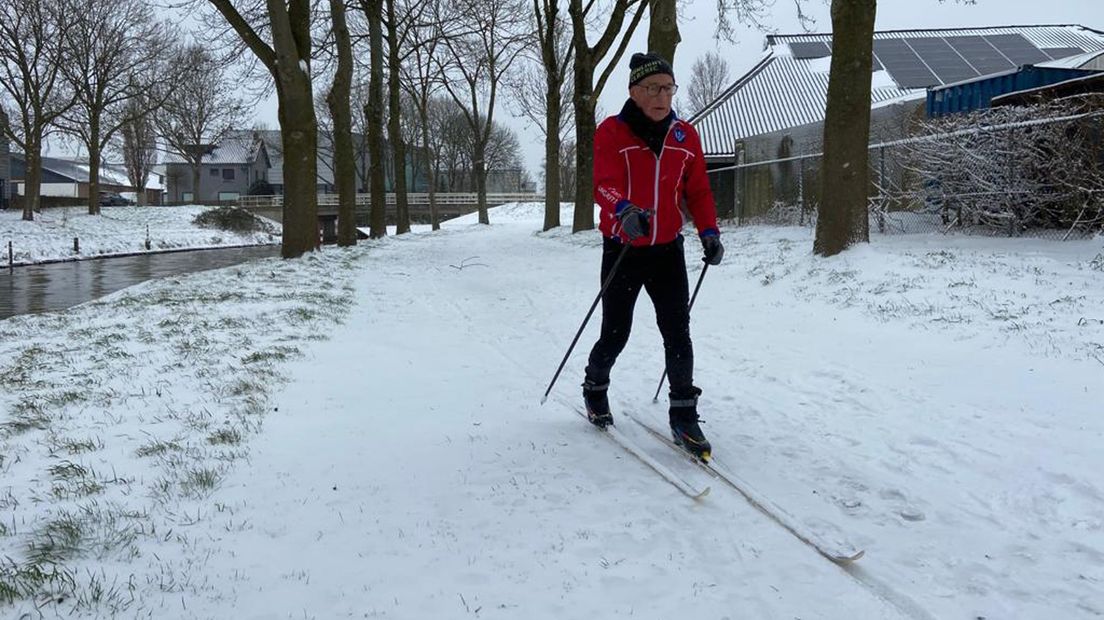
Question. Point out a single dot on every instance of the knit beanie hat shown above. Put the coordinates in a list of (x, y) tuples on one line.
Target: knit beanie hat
[(643, 65)]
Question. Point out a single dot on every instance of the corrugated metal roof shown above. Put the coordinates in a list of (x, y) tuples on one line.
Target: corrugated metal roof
[(233, 149), (781, 91), (1080, 61)]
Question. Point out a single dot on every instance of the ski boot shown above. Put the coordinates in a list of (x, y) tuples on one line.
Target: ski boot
[(597, 405), (684, 423)]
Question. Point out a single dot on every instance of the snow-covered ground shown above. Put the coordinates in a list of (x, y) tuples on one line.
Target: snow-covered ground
[(117, 230), (358, 434)]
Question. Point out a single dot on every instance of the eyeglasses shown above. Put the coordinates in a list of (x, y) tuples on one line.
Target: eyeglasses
[(655, 89)]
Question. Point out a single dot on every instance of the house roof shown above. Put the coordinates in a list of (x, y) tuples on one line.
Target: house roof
[(239, 148), (1080, 61), (788, 86), (78, 171)]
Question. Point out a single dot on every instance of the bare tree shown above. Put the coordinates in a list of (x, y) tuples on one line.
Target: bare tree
[(202, 112), (708, 78), (587, 91), (546, 101), (345, 176), (398, 24), (114, 55), (483, 38), (287, 58), (32, 37), (422, 80), (373, 112), (842, 213), (139, 145)]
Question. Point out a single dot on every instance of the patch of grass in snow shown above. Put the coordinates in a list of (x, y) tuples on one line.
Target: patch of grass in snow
[(33, 580), (226, 436), (27, 414), (274, 354), (302, 313), (74, 447), (200, 482), (72, 480), (244, 387), (57, 541), (157, 447)]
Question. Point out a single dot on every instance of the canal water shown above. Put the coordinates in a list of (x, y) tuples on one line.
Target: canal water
[(57, 286)]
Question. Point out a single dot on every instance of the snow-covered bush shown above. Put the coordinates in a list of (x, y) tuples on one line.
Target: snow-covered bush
[(1010, 168)]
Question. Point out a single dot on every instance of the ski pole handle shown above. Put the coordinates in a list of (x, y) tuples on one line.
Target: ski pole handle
[(605, 285), (697, 286)]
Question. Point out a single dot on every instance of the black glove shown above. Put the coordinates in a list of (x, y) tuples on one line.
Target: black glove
[(634, 222), (712, 248)]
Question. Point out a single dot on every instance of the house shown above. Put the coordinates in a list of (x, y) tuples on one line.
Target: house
[(69, 178), (776, 110), (228, 170), (415, 181)]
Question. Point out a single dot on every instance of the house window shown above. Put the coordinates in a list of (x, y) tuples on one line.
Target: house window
[(214, 172), (228, 196), (186, 197), (227, 174)]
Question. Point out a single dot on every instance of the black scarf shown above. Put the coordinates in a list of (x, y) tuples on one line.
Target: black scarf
[(651, 132)]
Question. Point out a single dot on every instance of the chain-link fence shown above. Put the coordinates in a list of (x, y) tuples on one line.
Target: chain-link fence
[(1011, 171)]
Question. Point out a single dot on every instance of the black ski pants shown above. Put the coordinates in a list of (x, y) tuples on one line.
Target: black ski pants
[(661, 271)]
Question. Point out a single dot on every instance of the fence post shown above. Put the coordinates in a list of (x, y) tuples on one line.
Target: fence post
[(11, 256), (881, 190), (801, 188), (76, 245)]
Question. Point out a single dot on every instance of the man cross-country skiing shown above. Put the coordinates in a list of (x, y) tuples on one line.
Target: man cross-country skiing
[(647, 162)]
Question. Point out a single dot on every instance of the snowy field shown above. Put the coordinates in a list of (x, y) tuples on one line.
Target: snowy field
[(358, 434), (117, 230)]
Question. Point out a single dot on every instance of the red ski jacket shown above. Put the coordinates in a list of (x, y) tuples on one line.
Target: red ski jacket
[(627, 172)]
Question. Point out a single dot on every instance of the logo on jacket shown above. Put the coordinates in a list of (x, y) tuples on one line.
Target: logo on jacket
[(680, 136)]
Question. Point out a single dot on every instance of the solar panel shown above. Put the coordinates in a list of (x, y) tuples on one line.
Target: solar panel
[(903, 64), (809, 50), (1062, 52), (942, 59), (980, 54), (1017, 48)]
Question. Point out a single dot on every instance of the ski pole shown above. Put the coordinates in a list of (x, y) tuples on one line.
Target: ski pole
[(605, 285), (688, 308)]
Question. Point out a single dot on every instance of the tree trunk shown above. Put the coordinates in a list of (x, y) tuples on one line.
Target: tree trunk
[(552, 158), (398, 147), (195, 176), (585, 125), (842, 215), (480, 164), (32, 185), (663, 31), (299, 136), (94, 153), (345, 175), (374, 114), (431, 173), (298, 125)]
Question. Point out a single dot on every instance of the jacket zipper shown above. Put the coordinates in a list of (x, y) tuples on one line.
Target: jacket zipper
[(655, 192)]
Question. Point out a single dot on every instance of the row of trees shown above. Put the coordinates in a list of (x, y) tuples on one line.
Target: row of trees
[(474, 53), (98, 70)]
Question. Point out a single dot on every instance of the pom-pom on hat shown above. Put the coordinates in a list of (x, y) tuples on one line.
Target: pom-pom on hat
[(643, 65)]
